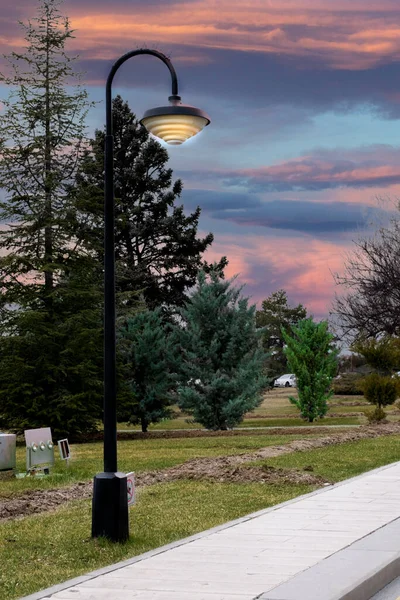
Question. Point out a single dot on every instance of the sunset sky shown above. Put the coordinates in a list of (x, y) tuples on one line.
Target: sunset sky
[(304, 97)]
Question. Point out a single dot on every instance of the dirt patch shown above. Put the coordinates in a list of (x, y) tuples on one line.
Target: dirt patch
[(223, 469), (38, 501), (195, 433)]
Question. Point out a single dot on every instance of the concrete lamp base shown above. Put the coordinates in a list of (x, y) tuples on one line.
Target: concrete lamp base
[(110, 516)]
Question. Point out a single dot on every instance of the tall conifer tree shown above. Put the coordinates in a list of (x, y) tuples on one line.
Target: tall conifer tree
[(275, 314), (158, 252), (221, 355)]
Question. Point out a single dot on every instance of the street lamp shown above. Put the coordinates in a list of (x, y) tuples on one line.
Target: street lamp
[(174, 124)]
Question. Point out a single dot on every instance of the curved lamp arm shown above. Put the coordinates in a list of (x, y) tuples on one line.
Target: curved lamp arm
[(120, 62)]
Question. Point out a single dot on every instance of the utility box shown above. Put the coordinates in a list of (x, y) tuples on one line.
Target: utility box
[(8, 451), (39, 449)]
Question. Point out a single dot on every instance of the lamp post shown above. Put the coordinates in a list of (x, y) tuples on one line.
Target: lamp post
[(174, 124)]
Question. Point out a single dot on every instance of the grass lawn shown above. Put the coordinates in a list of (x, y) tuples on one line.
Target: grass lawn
[(345, 460), (180, 423), (137, 455), (277, 411), (293, 422), (53, 547)]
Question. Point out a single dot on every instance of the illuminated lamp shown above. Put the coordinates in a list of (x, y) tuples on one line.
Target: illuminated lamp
[(175, 123)]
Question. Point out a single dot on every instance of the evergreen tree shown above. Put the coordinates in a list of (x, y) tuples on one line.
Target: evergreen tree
[(51, 371), (274, 315), (313, 359), (222, 358), (148, 352), (158, 252), (50, 304)]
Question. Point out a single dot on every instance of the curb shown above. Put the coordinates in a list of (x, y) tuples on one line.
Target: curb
[(357, 572)]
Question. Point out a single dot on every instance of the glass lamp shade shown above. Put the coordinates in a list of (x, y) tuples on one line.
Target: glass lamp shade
[(175, 123)]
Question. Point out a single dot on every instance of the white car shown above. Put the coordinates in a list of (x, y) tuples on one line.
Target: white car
[(288, 380)]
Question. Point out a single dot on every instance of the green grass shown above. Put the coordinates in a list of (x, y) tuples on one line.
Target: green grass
[(276, 405), (293, 422), (343, 409), (167, 425), (177, 424), (136, 455), (39, 551), (344, 460)]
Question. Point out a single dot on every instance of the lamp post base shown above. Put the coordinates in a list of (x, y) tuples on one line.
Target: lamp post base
[(110, 516)]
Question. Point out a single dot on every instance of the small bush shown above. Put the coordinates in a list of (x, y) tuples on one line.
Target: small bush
[(376, 415), (348, 385), (379, 389)]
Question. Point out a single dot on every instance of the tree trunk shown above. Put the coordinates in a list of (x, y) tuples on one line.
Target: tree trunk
[(48, 232), (144, 423)]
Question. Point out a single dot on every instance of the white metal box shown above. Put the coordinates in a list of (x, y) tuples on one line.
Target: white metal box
[(39, 448), (8, 451)]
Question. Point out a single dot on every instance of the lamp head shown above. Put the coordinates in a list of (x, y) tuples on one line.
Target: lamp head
[(175, 123)]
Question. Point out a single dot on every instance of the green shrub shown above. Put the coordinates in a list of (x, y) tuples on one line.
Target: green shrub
[(348, 385), (376, 415), (379, 389)]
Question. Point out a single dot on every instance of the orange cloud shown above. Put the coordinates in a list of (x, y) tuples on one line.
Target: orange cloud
[(347, 36)]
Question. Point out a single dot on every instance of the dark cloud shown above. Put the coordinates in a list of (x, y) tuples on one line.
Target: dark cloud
[(375, 166), (210, 200), (259, 81), (318, 218)]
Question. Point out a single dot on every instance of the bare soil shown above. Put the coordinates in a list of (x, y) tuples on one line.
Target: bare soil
[(195, 433), (223, 469)]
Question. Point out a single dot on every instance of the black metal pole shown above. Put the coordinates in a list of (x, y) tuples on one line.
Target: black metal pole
[(110, 499)]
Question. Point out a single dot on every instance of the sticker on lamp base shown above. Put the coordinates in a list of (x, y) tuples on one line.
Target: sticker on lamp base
[(130, 484)]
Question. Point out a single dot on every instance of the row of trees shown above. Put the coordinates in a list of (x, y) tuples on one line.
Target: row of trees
[(208, 361), (51, 272)]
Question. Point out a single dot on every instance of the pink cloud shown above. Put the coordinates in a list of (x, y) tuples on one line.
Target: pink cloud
[(301, 266), (345, 36), (375, 166)]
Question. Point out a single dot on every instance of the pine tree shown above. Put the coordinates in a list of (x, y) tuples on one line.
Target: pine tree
[(313, 359), (42, 134), (49, 300), (222, 358), (148, 357), (158, 252), (274, 315), (51, 371)]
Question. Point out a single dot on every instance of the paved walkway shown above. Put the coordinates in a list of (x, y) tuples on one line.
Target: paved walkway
[(276, 554)]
